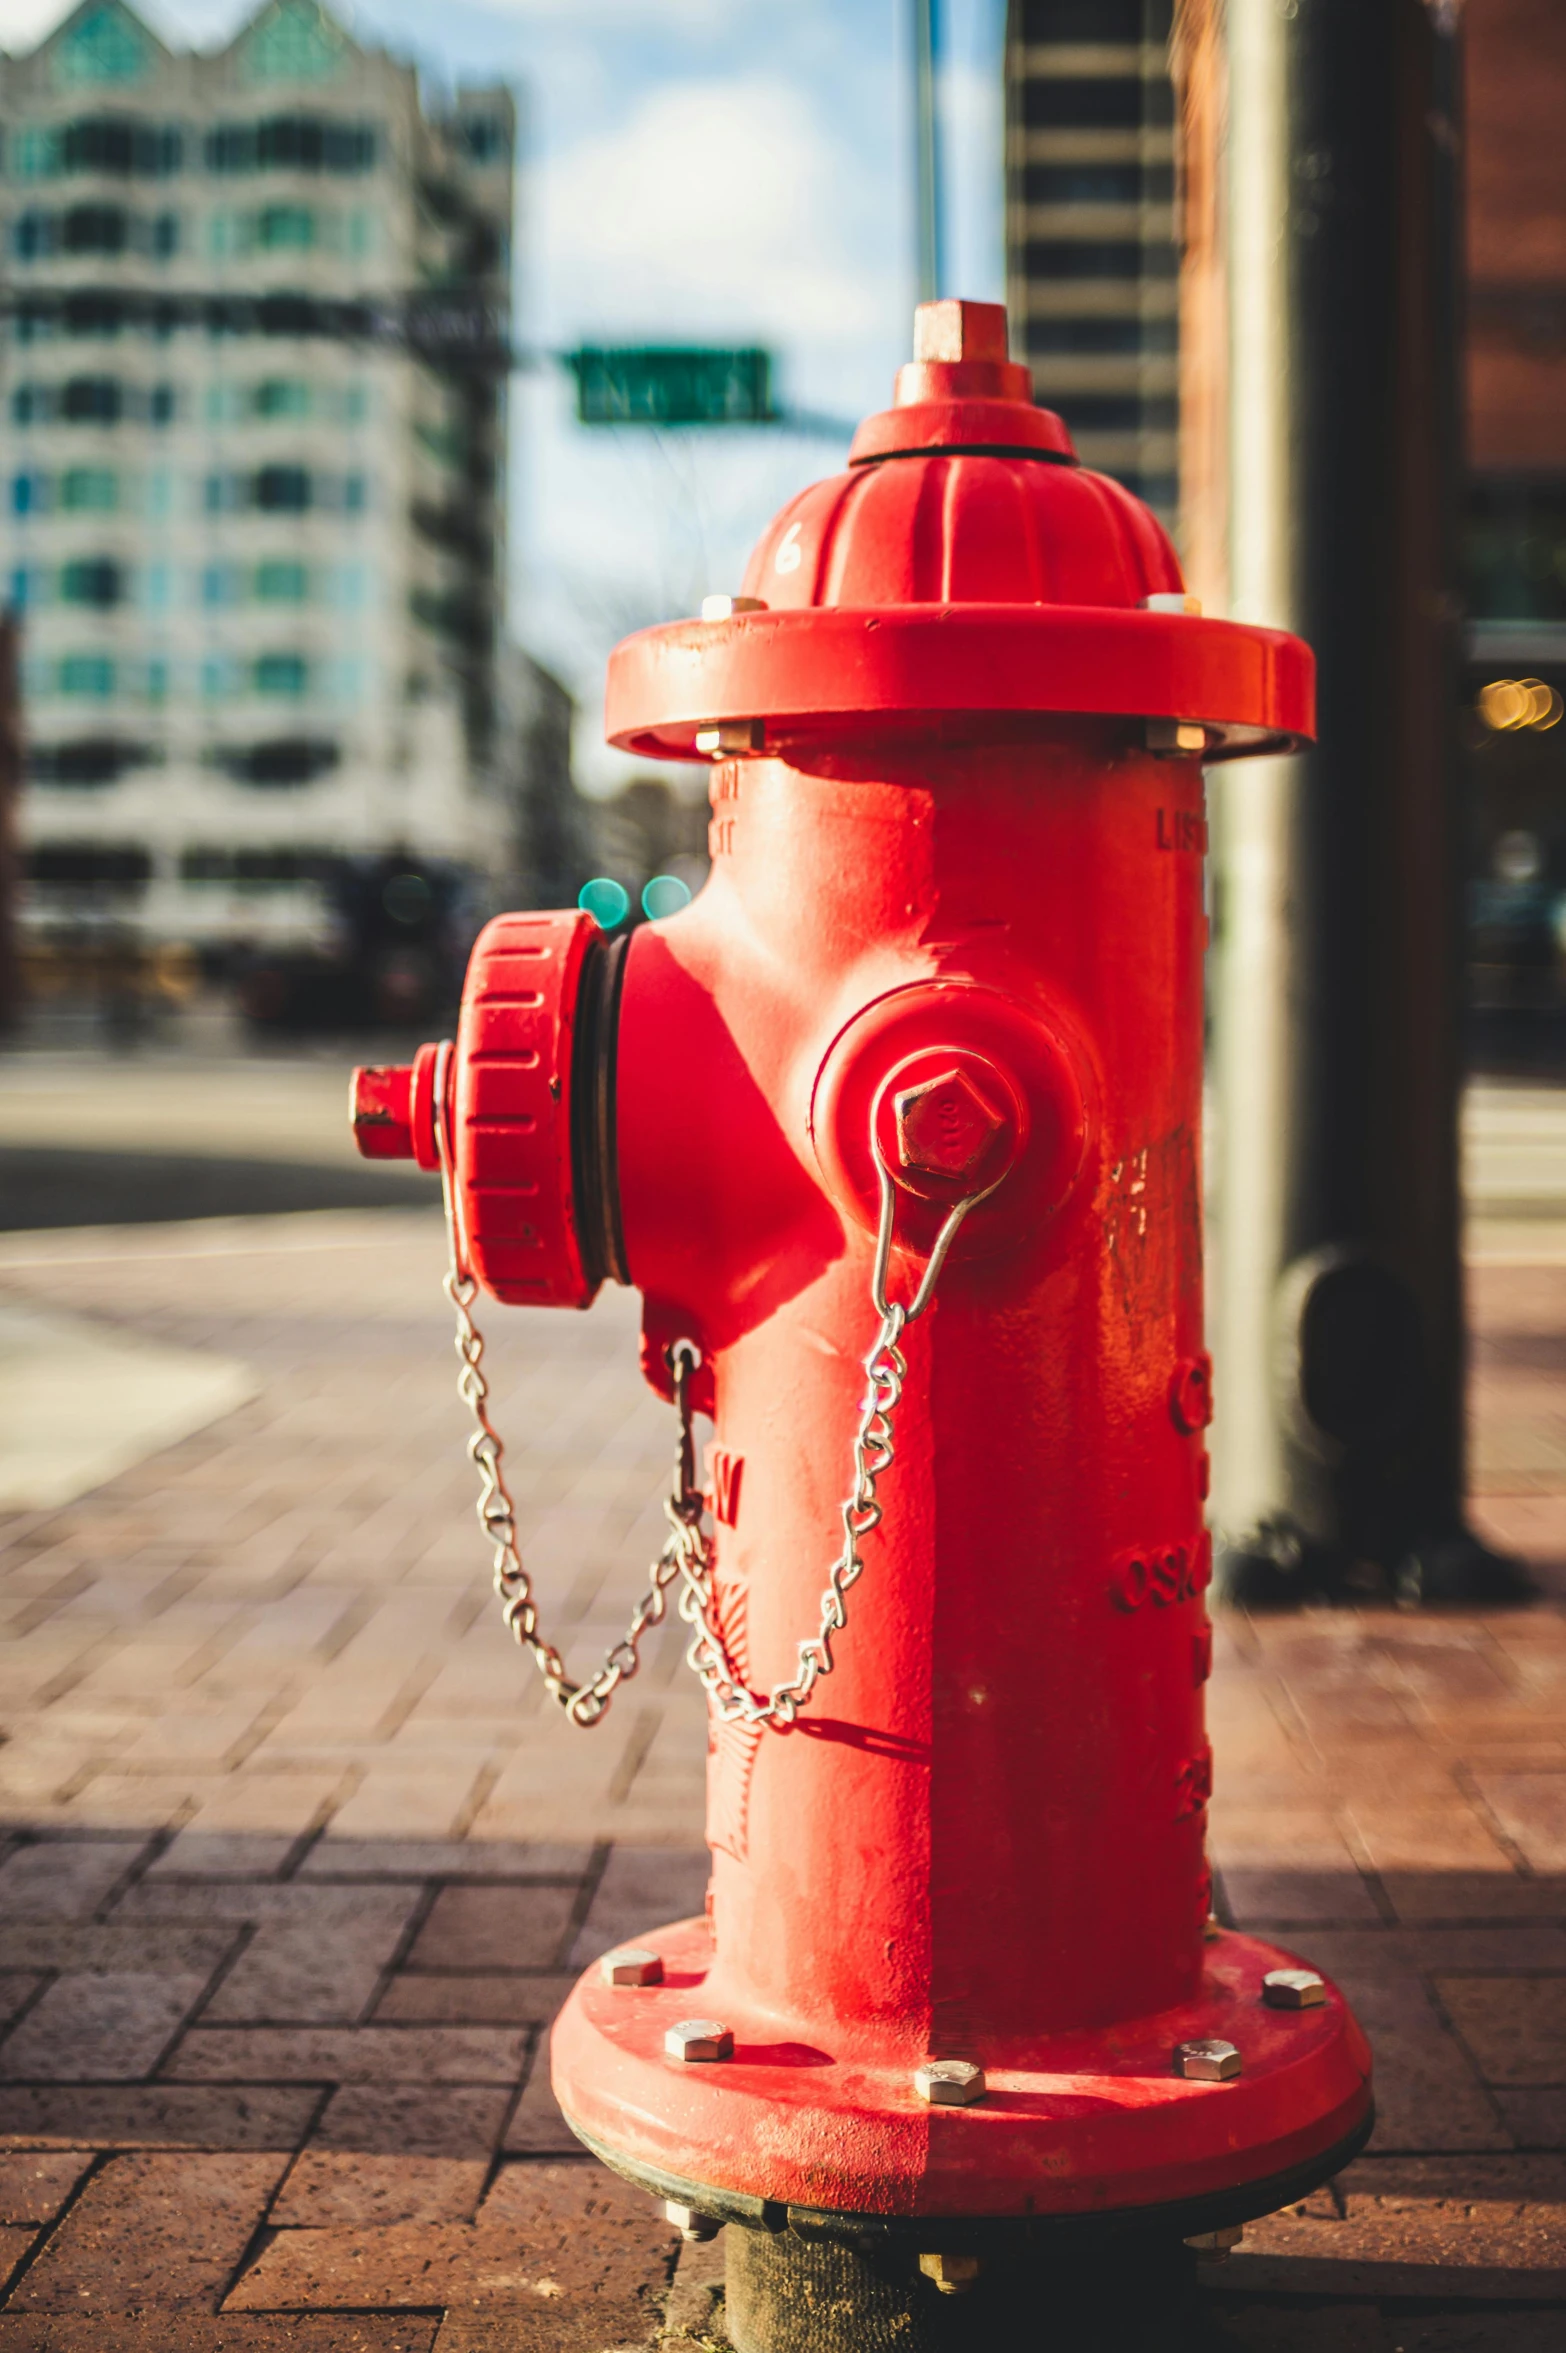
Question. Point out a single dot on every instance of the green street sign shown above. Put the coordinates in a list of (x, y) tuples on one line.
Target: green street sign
[(646, 385)]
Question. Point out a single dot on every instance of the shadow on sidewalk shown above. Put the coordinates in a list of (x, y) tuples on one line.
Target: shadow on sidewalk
[(51, 1185)]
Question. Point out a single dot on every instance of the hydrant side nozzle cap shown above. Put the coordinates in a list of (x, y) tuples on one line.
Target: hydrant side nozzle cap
[(380, 1110)]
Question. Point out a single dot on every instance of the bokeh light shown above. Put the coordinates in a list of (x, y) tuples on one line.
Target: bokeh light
[(1509, 704), (665, 895), (607, 901)]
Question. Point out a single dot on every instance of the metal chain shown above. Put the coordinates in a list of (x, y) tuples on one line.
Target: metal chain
[(886, 1369), (687, 1552)]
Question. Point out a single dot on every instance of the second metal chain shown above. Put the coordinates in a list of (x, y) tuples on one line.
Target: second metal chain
[(687, 1550)]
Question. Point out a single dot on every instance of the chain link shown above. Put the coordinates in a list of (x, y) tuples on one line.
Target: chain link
[(687, 1553)]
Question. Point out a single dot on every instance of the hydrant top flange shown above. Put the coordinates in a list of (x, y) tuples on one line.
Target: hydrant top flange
[(964, 567)]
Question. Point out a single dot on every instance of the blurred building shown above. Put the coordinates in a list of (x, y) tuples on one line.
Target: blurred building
[(1092, 259), (254, 339), (1516, 679), (552, 846), (650, 827)]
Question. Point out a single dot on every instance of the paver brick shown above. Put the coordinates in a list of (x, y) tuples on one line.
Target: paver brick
[(568, 2250), (189, 2332), (14, 2244), (1531, 1809), (126, 1944), (537, 2128), (160, 2230), (366, 2054), (89, 2027), (35, 2183), (1535, 2118), (641, 1888), (478, 1927), (17, 1989), (156, 2116), (64, 1878), (329, 2189), (418, 2120), (1504, 2213), (412, 1998), (334, 1857), (1514, 2026)]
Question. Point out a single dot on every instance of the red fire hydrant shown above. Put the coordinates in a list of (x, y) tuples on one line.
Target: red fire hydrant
[(896, 1128)]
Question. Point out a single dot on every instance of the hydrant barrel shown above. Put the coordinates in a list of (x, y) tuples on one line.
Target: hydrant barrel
[(930, 1038)]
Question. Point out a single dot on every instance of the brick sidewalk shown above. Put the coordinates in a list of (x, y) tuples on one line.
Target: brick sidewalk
[(299, 1866)]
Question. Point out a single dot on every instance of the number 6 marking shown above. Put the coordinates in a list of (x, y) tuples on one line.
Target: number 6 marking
[(790, 554)]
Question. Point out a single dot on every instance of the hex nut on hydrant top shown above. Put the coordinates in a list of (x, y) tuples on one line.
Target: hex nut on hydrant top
[(896, 1129)]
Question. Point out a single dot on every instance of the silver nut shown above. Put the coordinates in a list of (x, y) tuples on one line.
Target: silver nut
[(1176, 735), (1211, 2061), (734, 735), (698, 2040), (1293, 1989), (949, 2083), (694, 2228), (954, 2275), (724, 608), (1216, 2246), (1176, 600), (632, 1965)]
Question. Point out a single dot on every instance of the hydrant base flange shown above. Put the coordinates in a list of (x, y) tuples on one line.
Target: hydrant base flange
[(1001, 2235), (1085, 2123)]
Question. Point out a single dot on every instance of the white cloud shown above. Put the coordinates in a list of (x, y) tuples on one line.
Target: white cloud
[(719, 208)]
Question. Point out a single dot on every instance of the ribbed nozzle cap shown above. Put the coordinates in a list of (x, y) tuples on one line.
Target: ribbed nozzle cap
[(961, 391)]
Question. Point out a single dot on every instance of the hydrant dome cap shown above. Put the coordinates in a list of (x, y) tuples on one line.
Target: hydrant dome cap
[(963, 565)]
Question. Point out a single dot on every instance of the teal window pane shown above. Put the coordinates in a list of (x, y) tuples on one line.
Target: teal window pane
[(295, 42), (285, 228), (281, 396), (104, 45), (281, 674), (89, 490), (282, 582), (88, 674)]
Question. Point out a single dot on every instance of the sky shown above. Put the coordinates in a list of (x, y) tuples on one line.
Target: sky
[(732, 171)]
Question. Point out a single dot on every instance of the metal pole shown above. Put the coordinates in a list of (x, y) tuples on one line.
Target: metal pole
[(1339, 1329), (927, 148)]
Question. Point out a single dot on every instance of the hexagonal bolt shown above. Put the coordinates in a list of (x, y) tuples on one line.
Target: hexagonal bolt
[(950, 2083), (1293, 1989), (699, 2041), (724, 608), (1172, 737), (944, 1125), (1216, 2246), (954, 2275), (733, 736), (1211, 2061), (632, 1965), (692, 2227), (953, 330)]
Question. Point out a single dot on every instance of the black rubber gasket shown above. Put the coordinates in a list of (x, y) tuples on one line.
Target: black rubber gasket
[(594, 1146)]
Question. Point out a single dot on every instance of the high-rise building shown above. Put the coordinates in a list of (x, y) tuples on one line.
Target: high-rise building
[(254, 327), (1092, 256)]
